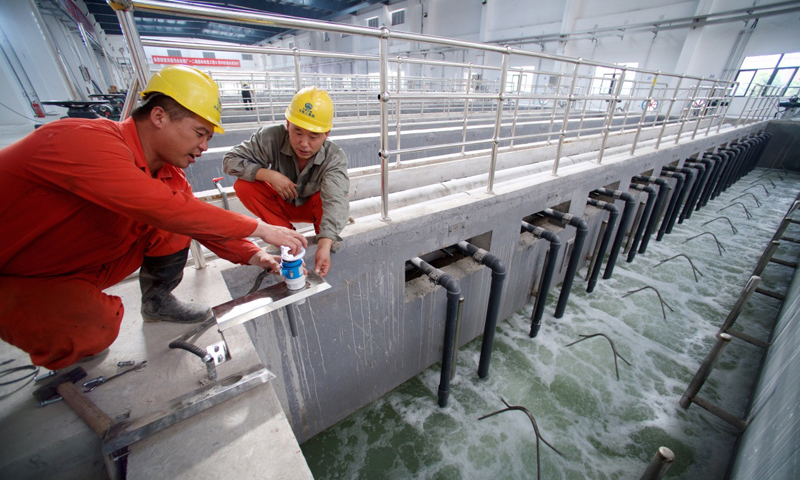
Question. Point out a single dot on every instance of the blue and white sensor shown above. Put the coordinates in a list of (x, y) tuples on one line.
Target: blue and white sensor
[(292, 268)]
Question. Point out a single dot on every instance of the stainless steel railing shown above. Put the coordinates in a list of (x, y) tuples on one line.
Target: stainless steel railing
[(568, 97)]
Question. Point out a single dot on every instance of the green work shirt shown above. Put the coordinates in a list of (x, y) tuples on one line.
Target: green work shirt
[(326, 173)]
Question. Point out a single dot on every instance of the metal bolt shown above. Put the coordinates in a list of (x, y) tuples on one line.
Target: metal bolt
[(126, 363), (52, 400)]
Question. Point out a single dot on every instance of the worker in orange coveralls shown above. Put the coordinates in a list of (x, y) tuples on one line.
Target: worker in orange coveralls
[(84, 203)]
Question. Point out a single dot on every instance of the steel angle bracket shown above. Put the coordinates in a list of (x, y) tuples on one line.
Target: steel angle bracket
[(266, 300), (126, 433)]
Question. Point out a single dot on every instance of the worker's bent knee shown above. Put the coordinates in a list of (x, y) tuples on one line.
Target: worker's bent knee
[(58, 321)]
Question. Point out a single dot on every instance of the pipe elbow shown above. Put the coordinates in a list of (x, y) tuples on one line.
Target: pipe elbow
[(579, 224), (450, 284)]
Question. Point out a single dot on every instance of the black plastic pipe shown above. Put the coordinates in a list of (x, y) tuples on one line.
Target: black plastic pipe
[(708, 163), (676, 194), (663, 190), (613, 214), (453, 294), (643, 222), (696, 190), (716, 168), (729, 156), (688, 185), (625, 221), (574, 260), (737, 153), (495, 296), (547, 278)]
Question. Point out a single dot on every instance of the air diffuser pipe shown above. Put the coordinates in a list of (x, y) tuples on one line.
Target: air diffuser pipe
[(547, 278), (746, 149), (697, 188), (710, 161), (624, 222), (737, 153), (453, 294), (663, 189), (613, 213), (728, 156), (495, 296), (676, 193), (688, 187), (577, 252), (643, 222)]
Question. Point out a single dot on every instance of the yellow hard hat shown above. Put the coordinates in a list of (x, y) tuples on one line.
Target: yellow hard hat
[(193, 89), (312, 109)]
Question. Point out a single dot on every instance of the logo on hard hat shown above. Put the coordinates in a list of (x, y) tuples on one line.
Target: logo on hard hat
[(307, 110)]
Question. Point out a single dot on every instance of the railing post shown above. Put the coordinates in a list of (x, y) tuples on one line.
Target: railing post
[(384, 99), (565, 123), (692, 99), (659, 465), (466, 111), (397, 113), (644, 113), (498, 119), (124, 11), (705, 370), (516, 109), (669, 110), (706, 108), (612, 106), (729, 93), (746, 104), (297, 84)]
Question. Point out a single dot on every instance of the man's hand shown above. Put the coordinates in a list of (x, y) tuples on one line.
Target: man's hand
[(267, 262), (280, 236), (279, 182), (322, 259)]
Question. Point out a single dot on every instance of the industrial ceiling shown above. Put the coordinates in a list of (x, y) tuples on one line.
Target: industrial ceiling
[(160, 25)]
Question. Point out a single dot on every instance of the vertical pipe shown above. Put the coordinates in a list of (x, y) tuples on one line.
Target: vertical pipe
[(453, 296), (547, 277), (581, 229), (516, 109), (663, 189), (649, 211), (297, 79), (624, 223), (659, 465), (613, 213), (688, 183), (384, 98), (672, 202), (459, 315), (497, 120), (291, 318), (495, 297)]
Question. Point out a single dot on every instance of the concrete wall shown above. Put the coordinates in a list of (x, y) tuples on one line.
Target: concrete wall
[(373, 330), (783, 149), (768, 448)]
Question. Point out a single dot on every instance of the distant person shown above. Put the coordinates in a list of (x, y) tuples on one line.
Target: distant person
[(293, 173), (247, 96), (88, 202)]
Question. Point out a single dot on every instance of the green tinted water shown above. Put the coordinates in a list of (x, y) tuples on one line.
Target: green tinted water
[(605, 428)]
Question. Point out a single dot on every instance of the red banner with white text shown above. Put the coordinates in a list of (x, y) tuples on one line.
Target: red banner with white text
[(202, 62)]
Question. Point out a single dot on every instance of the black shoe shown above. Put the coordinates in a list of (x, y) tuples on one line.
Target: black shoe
[(157, 278)]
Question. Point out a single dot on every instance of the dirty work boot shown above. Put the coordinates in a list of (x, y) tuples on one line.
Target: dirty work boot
[(157, 278)]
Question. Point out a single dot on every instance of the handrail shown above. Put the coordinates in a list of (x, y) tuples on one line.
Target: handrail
[(571, 85)]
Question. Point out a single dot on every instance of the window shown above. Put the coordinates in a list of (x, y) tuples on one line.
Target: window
[(779, 70), (173, 53), (247, 56), (209, 55), (326, 37), (291, 44), (372, 22), (398, 17)]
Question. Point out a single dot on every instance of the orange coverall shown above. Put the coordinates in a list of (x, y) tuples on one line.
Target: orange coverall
[(79, 211)]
